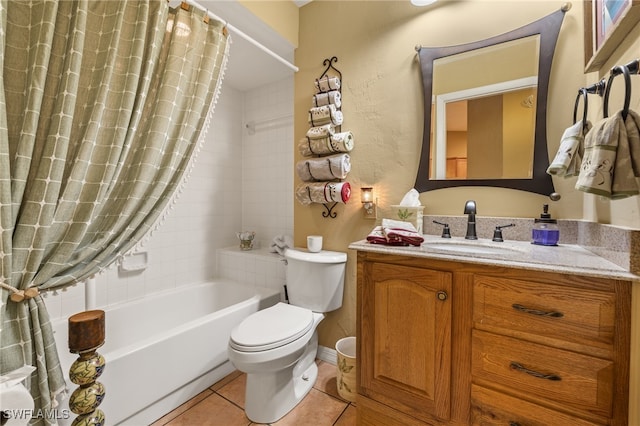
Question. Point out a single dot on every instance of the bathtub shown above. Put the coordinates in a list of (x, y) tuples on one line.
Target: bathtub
[(164, 349)]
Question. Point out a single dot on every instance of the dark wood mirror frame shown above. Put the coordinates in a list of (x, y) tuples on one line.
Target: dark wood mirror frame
[(548, 29)]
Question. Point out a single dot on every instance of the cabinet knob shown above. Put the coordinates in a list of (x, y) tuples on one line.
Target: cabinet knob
[(442, 295)]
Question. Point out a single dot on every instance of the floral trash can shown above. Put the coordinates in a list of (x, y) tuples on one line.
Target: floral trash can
[(346, 378)]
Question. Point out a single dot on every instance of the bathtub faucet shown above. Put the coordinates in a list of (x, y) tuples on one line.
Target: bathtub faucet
[(470, 210)]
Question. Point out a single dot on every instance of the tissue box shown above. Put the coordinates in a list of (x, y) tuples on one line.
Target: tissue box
[(409, 214)]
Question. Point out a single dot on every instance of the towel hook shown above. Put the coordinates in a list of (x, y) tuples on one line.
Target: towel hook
[(620, 69), (585, 96)]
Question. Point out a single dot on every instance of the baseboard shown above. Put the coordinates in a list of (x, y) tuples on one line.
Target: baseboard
[(327, 354)]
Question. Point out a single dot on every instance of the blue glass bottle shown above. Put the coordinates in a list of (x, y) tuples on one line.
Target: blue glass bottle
[(545, 230)]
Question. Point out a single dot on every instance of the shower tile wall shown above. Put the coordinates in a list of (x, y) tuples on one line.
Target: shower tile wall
[(256, 267), (239, 181), (267, 180)]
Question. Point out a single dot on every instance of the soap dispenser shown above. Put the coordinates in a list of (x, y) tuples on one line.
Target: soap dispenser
[(545, 230)]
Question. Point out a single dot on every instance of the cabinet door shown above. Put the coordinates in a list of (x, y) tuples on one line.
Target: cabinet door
[(406, 339)]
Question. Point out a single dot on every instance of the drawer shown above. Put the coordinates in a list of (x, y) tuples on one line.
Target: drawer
[(489, 407), (545, 311), (562, 379)]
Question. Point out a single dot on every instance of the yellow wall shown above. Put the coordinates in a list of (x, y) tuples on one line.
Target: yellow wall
[(383, 107), (620, 212), (280, 15)]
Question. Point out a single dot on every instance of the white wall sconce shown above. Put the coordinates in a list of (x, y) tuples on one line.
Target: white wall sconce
[(366, 196)]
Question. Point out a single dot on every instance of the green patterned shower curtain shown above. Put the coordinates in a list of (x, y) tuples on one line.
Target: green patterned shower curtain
[(102, 105)]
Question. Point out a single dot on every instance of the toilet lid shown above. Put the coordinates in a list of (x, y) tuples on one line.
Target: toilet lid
[(272, 327)]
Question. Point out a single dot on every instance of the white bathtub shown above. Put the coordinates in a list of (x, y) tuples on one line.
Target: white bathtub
[(164, 349)]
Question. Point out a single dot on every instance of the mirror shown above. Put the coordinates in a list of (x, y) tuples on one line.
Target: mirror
[(505, 77)]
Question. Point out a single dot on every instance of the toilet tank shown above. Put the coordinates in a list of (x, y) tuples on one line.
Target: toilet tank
[(315, 280)]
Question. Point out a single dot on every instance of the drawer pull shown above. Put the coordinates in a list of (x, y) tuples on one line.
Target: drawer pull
[(442, 295), (520, 367), (553, 314)]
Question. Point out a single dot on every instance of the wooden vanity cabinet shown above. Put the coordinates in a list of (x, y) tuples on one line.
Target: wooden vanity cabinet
[(411, 365), (444, 342)]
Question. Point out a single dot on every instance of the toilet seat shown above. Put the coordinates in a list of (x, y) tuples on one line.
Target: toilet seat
[(270, 328)]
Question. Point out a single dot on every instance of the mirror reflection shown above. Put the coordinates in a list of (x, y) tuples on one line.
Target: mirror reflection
[(483, 125), (485, 110)]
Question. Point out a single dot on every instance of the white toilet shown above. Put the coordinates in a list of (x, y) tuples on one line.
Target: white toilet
[(277, 346)]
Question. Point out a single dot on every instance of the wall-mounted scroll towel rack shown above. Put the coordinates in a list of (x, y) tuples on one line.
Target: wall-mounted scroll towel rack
[(324, 186)]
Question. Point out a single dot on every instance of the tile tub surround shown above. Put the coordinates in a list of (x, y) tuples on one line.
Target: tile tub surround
[(618, 245), (257, 267)]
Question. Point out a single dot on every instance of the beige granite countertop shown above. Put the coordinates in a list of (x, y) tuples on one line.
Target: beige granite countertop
[(564, 258)]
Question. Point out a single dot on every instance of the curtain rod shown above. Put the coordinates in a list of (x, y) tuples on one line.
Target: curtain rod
[(245, 36)]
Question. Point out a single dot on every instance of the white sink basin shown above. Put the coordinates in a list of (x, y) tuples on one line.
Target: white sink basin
[(469, 247)]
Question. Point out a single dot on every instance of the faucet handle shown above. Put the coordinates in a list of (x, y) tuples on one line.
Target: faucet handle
[(446, 232), (497, 234)]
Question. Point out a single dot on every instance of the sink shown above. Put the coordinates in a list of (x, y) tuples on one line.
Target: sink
[(467, 247)]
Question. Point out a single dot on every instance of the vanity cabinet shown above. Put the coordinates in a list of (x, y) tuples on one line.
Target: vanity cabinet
[(450, 342), (406, 338)]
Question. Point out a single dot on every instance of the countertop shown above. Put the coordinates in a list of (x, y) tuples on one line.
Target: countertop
[(563, 258)]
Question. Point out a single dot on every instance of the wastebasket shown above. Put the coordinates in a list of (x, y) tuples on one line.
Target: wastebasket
[(346, 377)]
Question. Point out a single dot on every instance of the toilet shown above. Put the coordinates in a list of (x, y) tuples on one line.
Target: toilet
[(277, 346)]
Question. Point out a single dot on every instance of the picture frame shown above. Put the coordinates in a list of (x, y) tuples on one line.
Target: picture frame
[(606, 23)]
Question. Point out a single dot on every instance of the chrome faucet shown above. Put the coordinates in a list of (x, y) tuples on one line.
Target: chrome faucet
[(470, 209)]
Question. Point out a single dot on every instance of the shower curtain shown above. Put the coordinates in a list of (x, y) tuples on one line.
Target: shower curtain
[(102, 105)]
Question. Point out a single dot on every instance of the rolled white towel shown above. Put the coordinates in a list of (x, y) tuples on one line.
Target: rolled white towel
[(323, 192), (319, 132), (326, 114), (327, 84), (338, 142), (333, 97), (324, 168)]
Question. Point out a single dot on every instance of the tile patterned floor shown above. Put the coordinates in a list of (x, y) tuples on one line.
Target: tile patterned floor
[(223, 404)]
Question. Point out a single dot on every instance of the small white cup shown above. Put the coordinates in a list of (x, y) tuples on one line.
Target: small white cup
[(314, 243)]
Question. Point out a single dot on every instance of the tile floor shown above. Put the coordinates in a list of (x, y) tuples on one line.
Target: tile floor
[(222, 404)]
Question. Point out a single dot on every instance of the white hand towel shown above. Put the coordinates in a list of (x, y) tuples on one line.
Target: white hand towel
[(324, 168), (327, 84), (280, 243), (338, 142), (568, 159)]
